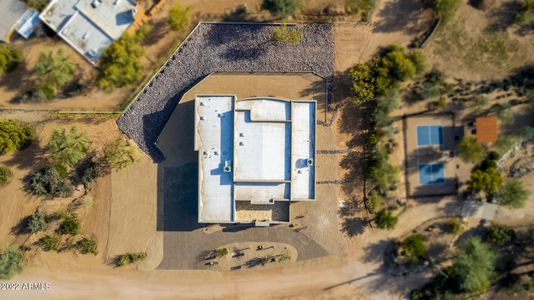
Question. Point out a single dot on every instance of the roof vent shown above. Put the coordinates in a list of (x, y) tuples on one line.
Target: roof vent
[(309, 162), (227, 167)]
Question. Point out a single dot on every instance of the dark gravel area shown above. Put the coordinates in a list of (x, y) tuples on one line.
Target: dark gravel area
[(224, 47)]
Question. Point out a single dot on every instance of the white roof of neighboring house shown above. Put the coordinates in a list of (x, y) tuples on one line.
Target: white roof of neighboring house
[(10, 13), (89, 26)]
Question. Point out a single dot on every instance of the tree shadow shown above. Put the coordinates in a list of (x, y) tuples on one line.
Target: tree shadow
[(350, 207), (351, 119), (21, 227), (503, 16), (28, 158), (159, 30), (400, 16), (380, 252), (353, 164), (19, 78), (353, 226)]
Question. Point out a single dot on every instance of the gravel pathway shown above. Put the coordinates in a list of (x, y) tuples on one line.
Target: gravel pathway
[(225, 47)]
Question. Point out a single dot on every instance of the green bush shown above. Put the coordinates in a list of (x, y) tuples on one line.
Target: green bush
[(69, 225), (50, 242), (87, 171), (282, 8), (470, 150), (526, 13), (15, 136), (87, 245), (37, 222), (130, 258), (10, 58), (513, 194), (454, 226), (363, 8), (67, 149), (5, 175), (37, 4), (120, 154), (414, 248), (380, 173), (179, 18), (446, 9), (48, 182), (488, 181), (418, 59), (374, 202), (221, 252), (285, 35), (120, 62), (499, 235), (473, 269), (386, 220), (53, 72), (11, 262)]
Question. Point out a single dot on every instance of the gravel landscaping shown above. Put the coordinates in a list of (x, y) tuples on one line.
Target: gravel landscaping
[(227, 47)]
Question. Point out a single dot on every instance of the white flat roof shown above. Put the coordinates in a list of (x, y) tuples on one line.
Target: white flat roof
[(214, 126), (260, 150)]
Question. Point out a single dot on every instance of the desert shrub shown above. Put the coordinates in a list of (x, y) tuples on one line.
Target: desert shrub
[(15, 136), (48, 182), (282, 8), (67, 149), (37, 222), (374, 202), (473, 270), (69, 225), (386, 220), (526, 13), (454, 226), (87, 245), (446, 9), (419, 61), (383, 73), (221, 252), (144, 31), (37, 4), (50, 242), (5, 175), (53, 72), (480, 101), (10, 58), (499, 235), (129, 258), (505, 143), (120, 62), (441, 103), (513, 194), (179, 18), (414, 248), (470, 150), (11, 262), (363, 8), (120, 154), (286, 35)]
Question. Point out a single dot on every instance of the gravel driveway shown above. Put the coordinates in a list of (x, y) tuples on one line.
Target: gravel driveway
[(227, 47)]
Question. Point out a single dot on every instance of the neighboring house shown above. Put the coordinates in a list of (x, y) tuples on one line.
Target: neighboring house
[(15, 16), (487, 130), (90, 26)]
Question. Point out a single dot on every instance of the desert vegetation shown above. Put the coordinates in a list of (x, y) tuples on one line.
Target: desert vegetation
[(179, 18), (286, 35), (12, 261), (10, 58), (15, 135), (282, 8)]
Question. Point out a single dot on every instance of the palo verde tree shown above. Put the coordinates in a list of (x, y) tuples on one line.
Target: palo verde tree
[(513, 194), (282, 8), (10, 58), (53, 72), (470, 150), (11, 262), (15, 136), (385, 72), (120, 62), (119, 155), (67, 148), (179, 18), (473, 270)]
